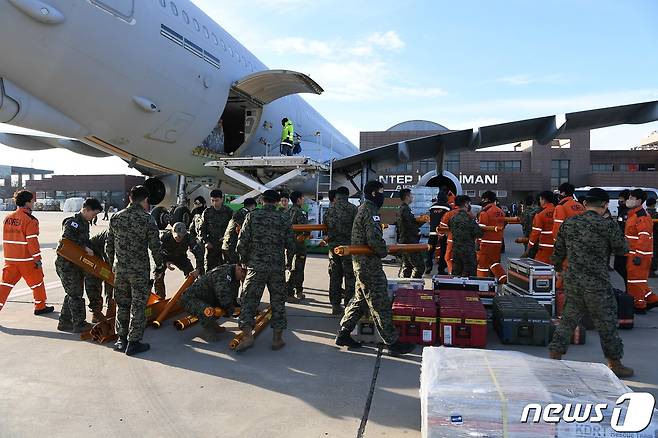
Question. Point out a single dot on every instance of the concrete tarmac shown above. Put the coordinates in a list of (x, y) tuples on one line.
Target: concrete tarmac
[(53, 384)]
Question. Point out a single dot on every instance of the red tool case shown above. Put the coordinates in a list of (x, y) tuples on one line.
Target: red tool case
[(415, 316), (462, 319)]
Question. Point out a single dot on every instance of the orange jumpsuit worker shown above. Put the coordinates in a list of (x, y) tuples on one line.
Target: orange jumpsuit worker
[(639, 235), (492, 242), (444, 224), (564, 209), (20, 243), (540, 242)]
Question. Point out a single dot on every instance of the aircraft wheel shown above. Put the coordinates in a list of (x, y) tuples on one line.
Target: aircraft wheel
[(161, 216), (182, 214)]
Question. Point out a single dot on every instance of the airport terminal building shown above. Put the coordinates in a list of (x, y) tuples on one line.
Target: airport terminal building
[(529, 168)]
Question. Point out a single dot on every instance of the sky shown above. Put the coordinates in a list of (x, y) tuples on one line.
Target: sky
[(461, 64)]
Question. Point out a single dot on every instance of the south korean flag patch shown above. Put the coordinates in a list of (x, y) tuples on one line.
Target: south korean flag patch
[(74, 224), (376, 218)]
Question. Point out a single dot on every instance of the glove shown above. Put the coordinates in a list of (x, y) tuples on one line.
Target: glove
[(159, 269), (637, 261), (38, 264)]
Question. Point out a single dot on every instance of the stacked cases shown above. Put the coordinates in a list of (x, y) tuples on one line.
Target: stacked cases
[(484, 286), (528, 277), (462, 319)]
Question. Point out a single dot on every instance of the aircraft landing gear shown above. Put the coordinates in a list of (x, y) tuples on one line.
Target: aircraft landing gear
[(176, 213)]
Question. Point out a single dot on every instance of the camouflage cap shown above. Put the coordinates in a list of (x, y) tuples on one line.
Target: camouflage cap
[(597, 194), (179, 229)]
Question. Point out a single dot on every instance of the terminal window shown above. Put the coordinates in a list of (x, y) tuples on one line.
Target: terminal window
[(452, 162), (601, 168), (500, 166), (559, 172)]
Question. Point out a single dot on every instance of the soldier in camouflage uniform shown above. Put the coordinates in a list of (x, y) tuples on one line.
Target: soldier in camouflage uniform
[(588, 240), (218, 288), (264, 236), (213, 226), (530, 209), (464, 231), (93, 284), (296, 260), (195, 233), (76, 229), (132, 233), (371, 285), (175, 244), (339, 218), (406, 227), (233, 230)]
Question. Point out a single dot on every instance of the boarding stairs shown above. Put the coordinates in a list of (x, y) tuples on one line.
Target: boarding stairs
[(280, 170)]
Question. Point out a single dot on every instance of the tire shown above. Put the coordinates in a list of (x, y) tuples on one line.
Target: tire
[(157, 190), (161, 216), (181, 214)]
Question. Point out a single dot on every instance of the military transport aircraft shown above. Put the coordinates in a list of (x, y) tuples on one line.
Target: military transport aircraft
[(159, 84)]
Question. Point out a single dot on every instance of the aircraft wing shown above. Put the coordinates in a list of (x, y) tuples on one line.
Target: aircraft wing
[(38, 143), (542, 129)]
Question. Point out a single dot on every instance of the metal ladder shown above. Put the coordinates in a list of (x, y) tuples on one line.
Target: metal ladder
[(324, 182)]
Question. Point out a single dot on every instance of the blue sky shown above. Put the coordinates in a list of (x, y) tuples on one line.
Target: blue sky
[(462, 64)]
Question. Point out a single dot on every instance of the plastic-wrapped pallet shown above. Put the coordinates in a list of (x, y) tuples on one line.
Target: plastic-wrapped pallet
[(394, 284), (483, 393)]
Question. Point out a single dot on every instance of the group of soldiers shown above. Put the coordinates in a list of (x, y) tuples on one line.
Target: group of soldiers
[(238, 253)]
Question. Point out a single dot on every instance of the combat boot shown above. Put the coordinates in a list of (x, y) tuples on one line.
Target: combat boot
[(121, 344), (136, 347), (247, 339), (45, 310), (344, 339), (555, 355), (82, 327), (277, 339), (212, 332), (97, 316), (65, 326), (300, 295), (292, 299), (400, 348), (619, 369)]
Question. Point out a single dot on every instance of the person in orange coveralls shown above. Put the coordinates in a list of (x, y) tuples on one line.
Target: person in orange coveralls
[(564, 209), (541, 242), (491, 243), (639, 235), (20, 243)]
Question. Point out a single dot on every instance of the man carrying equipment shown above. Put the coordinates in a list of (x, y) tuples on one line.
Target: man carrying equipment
[(437, 210), (488, 256), (588, 240), (296, 260), (339, 219), (406, 228), (530, 209), (20, 243), (76, 229), (213, 226), (287, 137), (371, 285), (540, 242), (93, 284), (564, 209), (217, 288), (233, 230), (464, 231), (265, 235), (132, 233), (199, 249), (175, 244), (639, 235)]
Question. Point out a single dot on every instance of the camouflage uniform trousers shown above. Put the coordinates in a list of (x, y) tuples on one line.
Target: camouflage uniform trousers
[(340, 267), (296, 279), (253, 288), (231, 257), (94, 289), (602, 308), (131, 292), (464, 263), (73, 309), (413, 265), (195, 305), (214, 256), (159, 284), (199, 253), (371, 295)]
